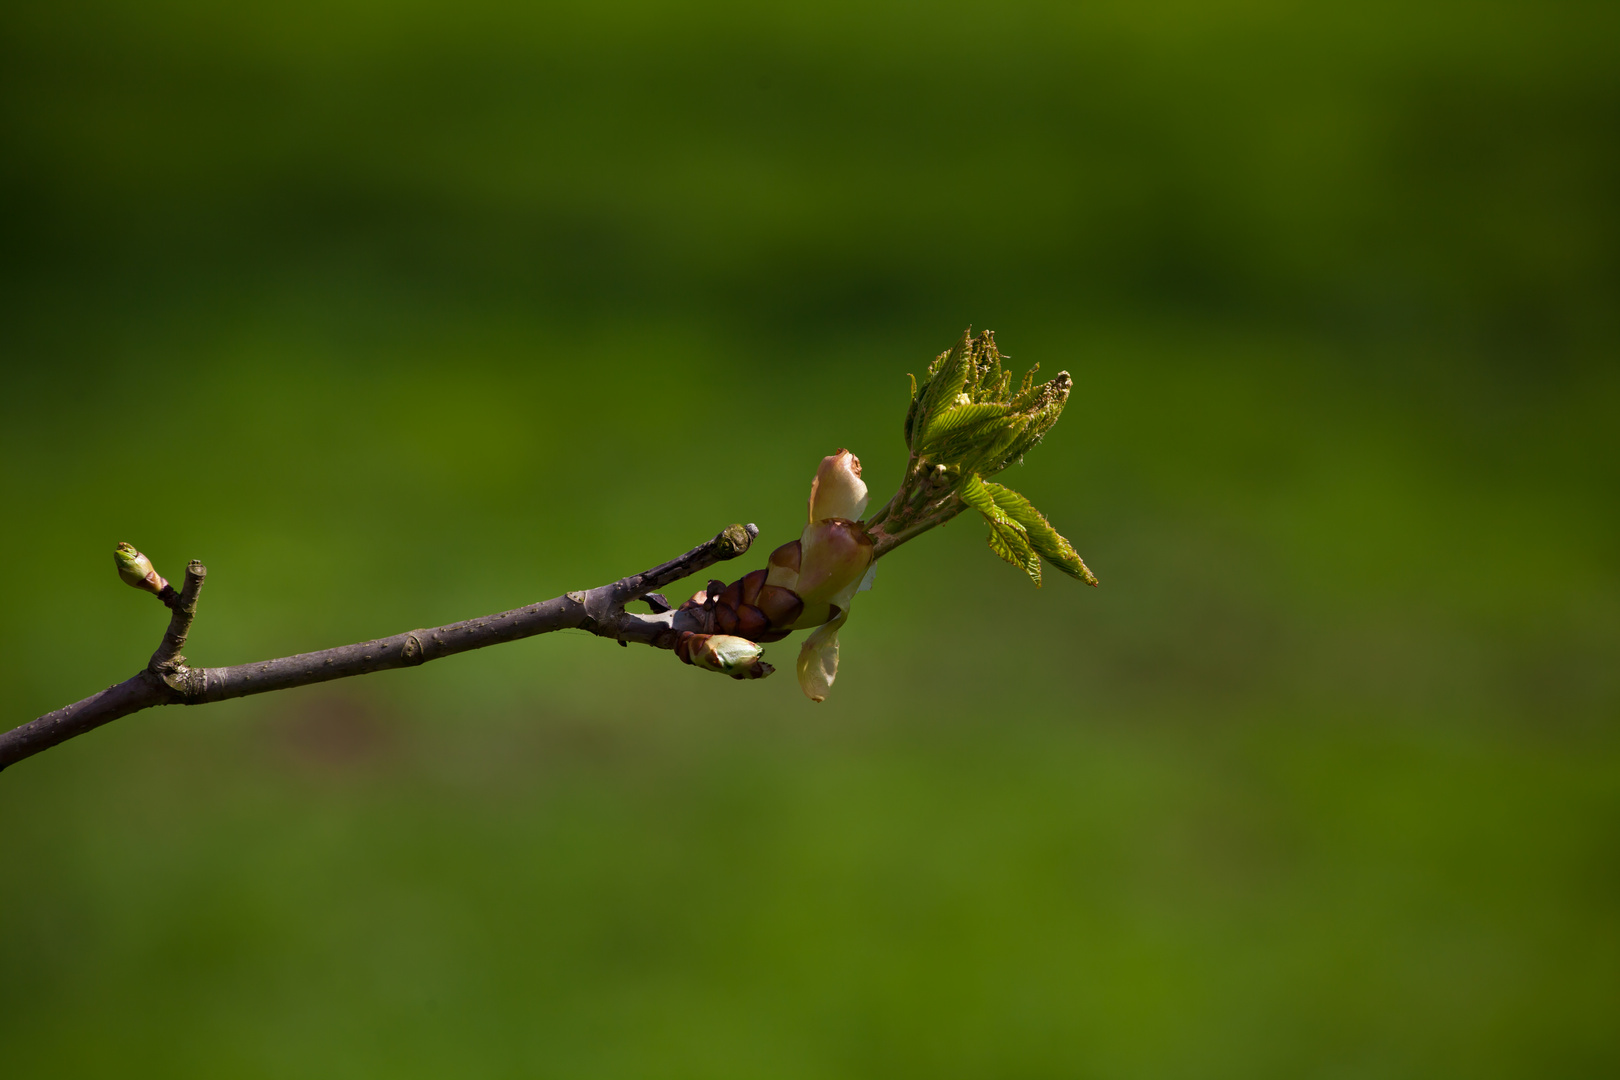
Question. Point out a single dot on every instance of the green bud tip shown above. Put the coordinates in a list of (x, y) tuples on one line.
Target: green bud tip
[(136, 570), (726, 654)]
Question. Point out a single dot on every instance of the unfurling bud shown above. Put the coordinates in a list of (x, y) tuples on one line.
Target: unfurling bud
[(966, 423), (723, 653), (838, 491), (136, 570), (968, 415), (834, 556), (806, 583)]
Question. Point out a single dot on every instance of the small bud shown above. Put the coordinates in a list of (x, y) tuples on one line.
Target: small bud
[(727, 654), (723, 653), (838, 491), (136, 570)]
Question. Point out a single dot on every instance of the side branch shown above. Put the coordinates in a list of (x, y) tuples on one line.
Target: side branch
[(168, 681), (184, 609)]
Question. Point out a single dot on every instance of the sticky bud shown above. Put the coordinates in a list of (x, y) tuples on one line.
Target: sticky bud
[(807, 583), (136, 570), (726, 654)]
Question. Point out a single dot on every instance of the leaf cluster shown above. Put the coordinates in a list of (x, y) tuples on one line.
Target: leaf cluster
[(967, 417)]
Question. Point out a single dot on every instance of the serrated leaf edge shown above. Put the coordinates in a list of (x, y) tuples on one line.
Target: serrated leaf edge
[(1051, 544)]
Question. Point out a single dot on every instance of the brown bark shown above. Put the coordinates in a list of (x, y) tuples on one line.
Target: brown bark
[(167, 680)]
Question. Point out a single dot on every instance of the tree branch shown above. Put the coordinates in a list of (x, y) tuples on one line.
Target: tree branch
[(167, 680)]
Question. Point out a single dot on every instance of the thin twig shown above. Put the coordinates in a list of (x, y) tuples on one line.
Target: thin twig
[(184, 610), (168, 681), (932, 516)]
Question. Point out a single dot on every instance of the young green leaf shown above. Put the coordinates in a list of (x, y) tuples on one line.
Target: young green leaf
[(1012, 544), (1007, 537), (1042, 537), (957, 425), (911, 411), (1029, 381), (940, 392), (976, 493)]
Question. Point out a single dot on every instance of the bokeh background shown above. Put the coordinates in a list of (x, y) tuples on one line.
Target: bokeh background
[(400, 313)]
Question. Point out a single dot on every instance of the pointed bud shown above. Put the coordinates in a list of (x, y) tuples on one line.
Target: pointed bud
[(723, 653), (137, 571), (726, 654), (838, 491)]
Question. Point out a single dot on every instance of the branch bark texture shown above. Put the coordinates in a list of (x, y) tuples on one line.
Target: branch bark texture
[(168, 680)]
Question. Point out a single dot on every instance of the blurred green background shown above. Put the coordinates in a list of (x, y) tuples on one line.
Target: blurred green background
[(397, 314)]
